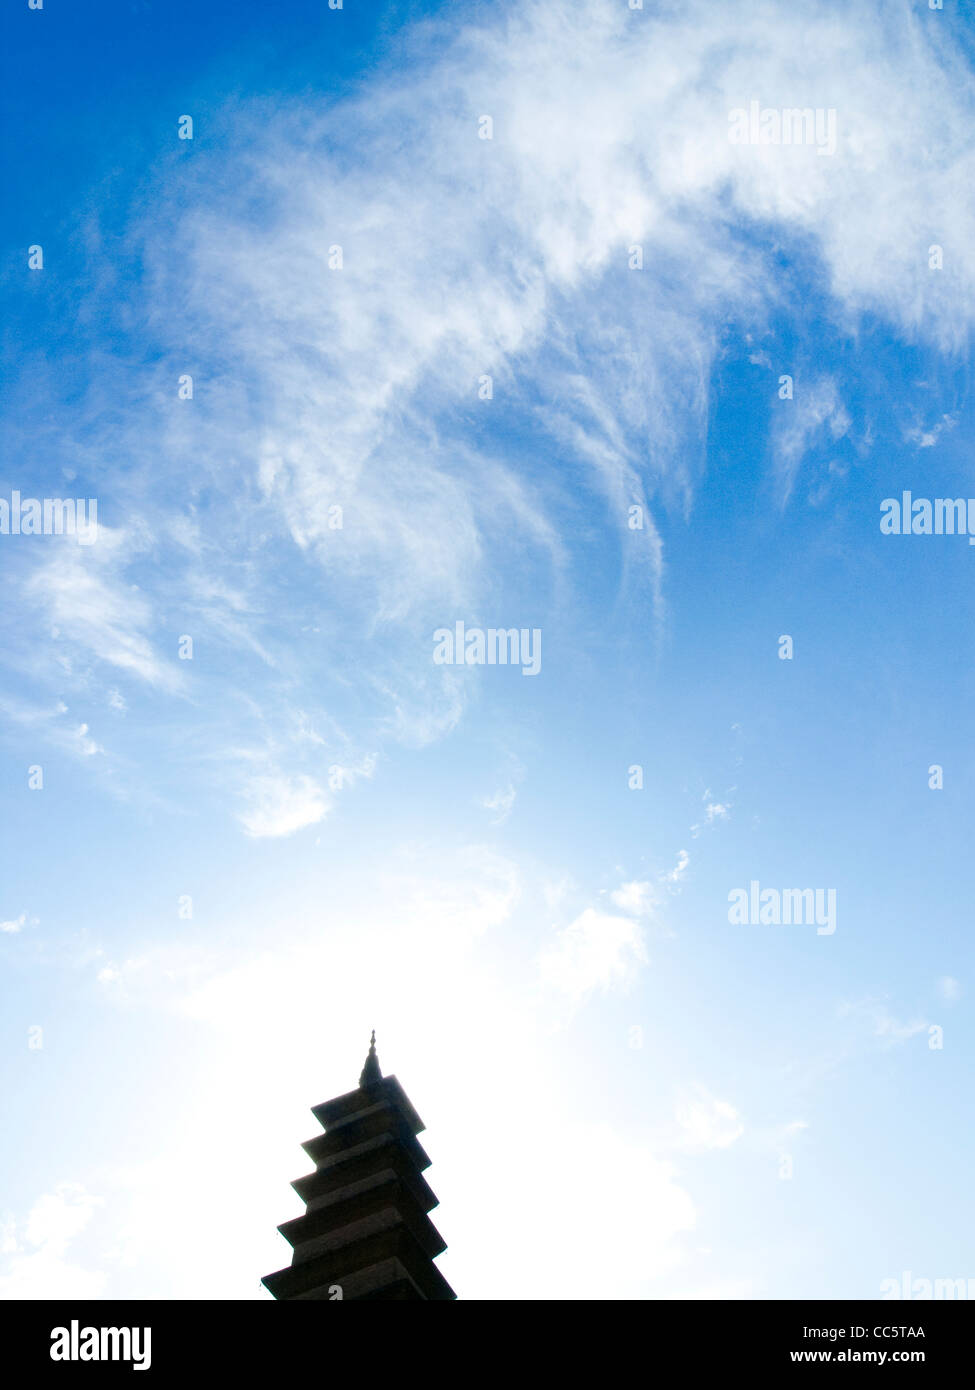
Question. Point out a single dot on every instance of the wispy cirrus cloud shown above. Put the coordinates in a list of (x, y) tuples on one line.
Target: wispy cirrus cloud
[(884, 1025), (93, 614), (713, 811), (358, 268), (816, 410)]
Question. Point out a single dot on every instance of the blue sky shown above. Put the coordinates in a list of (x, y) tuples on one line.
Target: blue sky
[(453, 854)]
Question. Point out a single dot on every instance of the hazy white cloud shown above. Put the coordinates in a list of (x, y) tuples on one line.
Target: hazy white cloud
[(883, 1024), (280, 805), (35, 1264), (8, 1235), (677, 873), (949, 988), (597, 951), (926, 438), (713, 811), (74, 739), (641, 898), (81, 740), (453, 896), (895, 1030), (704, 1122), (500, 804), (815, 410), (556, 891), (509, 258), (57, 1217), (347, 774), (638, 898), (83, 592), (616, 1248)]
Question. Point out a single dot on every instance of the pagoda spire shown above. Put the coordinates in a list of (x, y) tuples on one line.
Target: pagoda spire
[(366, 1232), (371, 1072)]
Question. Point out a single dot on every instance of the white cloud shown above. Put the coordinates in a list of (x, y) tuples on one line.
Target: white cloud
[(75, 740), (8, 1235), (875, 1013), (500, 804), (280, 805), (815, 408), (449, 896), (507, 257), (927, 438), (618, 1247), (637, 898), (347, 774), (894, 1030), (713, 811), (705, 1123), (83, 742), (641, 898), (58, 1217), (83, 593), (597, 951), (676, 874), (16, 924), (37, 1266), (949, 988), (556, 891)]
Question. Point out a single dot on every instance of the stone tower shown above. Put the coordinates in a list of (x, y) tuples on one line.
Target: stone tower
[(365, 1230)]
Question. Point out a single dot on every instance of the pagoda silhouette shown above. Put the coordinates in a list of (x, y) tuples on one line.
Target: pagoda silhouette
[(365, 1233)]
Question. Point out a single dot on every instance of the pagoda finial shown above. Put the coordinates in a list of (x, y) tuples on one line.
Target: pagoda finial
[(370, 1072)]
